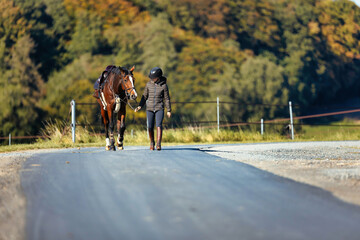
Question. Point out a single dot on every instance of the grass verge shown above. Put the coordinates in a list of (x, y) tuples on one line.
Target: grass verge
[(59, 136)]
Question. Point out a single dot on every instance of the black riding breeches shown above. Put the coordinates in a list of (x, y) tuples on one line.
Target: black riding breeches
[(152, 116)]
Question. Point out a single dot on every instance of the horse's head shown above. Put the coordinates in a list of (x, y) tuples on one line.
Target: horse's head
[(128, 83)]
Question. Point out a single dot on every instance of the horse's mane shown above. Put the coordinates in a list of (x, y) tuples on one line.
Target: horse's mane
[(117, 70)]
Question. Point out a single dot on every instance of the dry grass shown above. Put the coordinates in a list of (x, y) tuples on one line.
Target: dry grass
[(59, 136)]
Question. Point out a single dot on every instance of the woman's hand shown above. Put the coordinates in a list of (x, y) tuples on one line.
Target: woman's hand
[(137, 109), (168, 114)]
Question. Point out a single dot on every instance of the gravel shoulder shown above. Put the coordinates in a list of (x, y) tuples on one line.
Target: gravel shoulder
[(12, 199), (332, 166)]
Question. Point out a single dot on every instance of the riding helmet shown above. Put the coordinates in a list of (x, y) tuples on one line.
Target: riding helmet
[(155, 73)]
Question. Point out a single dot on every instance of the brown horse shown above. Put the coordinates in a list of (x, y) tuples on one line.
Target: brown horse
[(118, 88)]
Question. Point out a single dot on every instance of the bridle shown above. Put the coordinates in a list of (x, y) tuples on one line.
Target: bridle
[(127, 93), (126, 89)]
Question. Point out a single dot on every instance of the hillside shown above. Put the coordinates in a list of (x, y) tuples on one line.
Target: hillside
[(253, 52)]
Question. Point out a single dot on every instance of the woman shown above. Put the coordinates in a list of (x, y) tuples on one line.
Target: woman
[(156, 93)]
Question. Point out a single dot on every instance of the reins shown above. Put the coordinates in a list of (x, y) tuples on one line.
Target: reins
[(128, 103)]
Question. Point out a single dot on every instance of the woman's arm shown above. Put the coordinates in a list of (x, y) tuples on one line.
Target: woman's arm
[(144, 97), (167, 98)]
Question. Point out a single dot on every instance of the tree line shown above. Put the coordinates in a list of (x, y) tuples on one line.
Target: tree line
[(245, 51)]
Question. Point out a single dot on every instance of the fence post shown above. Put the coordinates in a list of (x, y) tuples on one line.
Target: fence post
[(132, 133), (262, 126), (291, 121), (73, 120), (9, 139), (218, 113)]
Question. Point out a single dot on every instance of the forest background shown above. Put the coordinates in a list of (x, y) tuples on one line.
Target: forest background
[(252, 52)]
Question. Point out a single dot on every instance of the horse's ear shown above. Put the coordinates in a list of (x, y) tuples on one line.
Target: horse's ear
[(132, 69)]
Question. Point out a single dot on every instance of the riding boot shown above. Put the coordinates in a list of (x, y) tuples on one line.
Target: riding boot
[(159, 137), (151, 136)]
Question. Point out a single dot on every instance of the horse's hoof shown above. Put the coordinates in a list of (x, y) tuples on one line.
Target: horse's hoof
[(120, 145), (107, 148)]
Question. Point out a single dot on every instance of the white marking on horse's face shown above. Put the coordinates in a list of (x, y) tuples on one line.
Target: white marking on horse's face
[(132, 83)]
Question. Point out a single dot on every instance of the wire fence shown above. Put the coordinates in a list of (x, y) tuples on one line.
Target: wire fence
[(24, 137), (215, 124), (229, 123)]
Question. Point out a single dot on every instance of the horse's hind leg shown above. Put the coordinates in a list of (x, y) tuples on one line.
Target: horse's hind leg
[(107, 139), (106, 124), (121, 128), (105, 119)]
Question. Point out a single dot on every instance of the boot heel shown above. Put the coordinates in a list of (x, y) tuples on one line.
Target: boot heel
[(159, 137), (152, 146), (151, 136)]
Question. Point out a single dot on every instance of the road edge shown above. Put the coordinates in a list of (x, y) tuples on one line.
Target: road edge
[(310, 172)]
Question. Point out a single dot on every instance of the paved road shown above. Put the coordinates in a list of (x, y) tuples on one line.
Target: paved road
[(178, 193)]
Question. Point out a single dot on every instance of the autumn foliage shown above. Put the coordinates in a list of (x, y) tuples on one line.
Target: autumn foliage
[(245, 51)]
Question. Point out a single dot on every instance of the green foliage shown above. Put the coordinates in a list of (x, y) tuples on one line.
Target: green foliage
[(259, 52), (255, 25), (21, 86), (40, 28), (13, 24), (60, 32), (158, 47), (340, 24), (73, 82), (262, 81), (204, 17), (206, 70), (126, 49), (87, 37)]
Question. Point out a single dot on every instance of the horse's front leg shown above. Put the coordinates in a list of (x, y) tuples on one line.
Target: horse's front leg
[(121, 128), (112, 117)]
